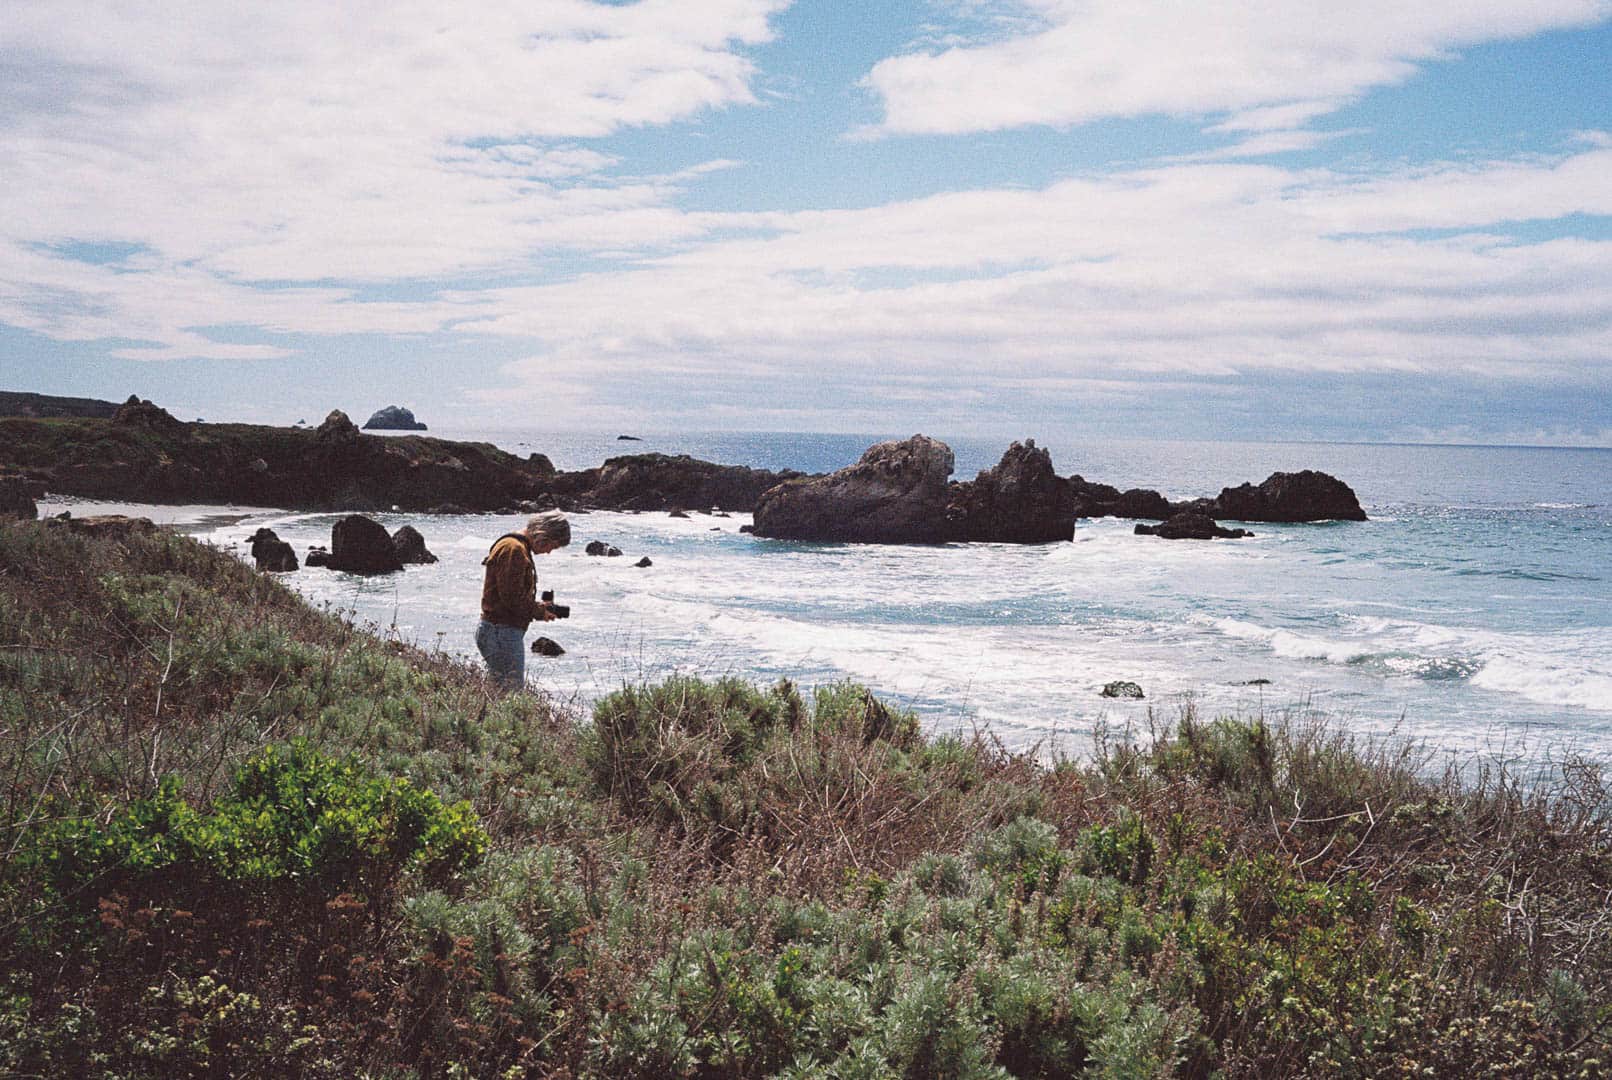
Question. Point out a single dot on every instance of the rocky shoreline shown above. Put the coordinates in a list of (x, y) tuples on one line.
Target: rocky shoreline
[(899, 492)]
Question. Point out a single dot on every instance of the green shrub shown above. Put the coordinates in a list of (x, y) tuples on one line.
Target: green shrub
[(293, 813)]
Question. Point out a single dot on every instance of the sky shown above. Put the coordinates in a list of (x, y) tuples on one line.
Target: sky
[(1362, 221)]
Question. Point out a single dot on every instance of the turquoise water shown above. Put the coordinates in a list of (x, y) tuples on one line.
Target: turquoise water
[(1473, 610)]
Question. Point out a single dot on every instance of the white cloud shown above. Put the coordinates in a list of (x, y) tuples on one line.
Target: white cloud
[(313, 141), (1200, 270), (1089, 59)]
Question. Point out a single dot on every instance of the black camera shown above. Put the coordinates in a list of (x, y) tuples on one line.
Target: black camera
[(561, 611)]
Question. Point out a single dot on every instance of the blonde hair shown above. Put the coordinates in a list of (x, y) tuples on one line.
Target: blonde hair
[(551, 526)]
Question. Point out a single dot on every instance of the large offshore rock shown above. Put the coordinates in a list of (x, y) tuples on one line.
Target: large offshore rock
[(1300, 496), (1019, 501), (896, 494), (393, 418), (361, 545), (410, 546)]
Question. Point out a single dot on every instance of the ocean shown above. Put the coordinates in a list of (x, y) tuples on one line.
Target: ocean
[(1472, 612)]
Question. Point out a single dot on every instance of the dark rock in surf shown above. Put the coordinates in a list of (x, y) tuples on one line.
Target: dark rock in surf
[(317, 556), (1122, 688), (645, 561), (1018, 501), (1292, 497), (896, 494), (410, 546), (1191, 526), (271, 553), (544, 646), (361, 545)]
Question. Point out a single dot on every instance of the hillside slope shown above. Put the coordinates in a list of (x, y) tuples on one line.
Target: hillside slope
[(243, 837)]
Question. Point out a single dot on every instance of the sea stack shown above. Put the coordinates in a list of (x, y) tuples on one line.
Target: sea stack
[(393, 418)]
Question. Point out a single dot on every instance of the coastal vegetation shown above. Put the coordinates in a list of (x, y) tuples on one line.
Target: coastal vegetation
[(243, 836)]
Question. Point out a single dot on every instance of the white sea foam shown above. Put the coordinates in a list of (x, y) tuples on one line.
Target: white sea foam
[(1553, 684), (1568, 668)]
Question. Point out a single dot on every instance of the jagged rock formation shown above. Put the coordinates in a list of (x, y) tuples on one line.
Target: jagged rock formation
[(1188, 525), (1019, 501), (410, 546), (393, 418), (896, 494), (361, 545)]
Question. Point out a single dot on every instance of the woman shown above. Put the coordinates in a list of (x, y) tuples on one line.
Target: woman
[(509, 600)]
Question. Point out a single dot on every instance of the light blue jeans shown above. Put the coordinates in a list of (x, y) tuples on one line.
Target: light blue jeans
[(504, 649)]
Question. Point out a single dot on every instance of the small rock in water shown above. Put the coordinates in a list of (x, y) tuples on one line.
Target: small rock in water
[(317, 556), (596, 547), (410, 546), (644, 562), (1255, 682), (1122, 688), (677, 513), (271, 552), (544, 646), (1191, 526)]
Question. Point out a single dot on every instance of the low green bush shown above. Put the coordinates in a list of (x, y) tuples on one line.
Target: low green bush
[(293, 813)]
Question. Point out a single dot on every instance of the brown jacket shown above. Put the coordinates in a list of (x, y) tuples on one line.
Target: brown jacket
[(509, 590)]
